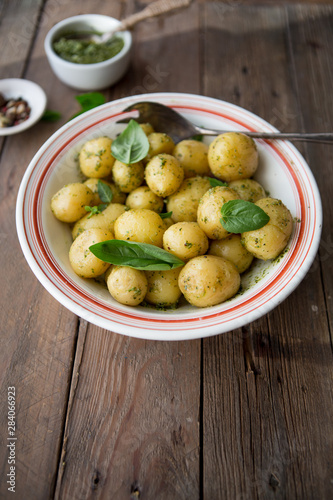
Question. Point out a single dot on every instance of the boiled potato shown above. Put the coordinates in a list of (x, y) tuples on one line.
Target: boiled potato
[(95, 158), (193, 157), (126, 285), (104, 220), (128, 177), (164, 174), (269, 241), (233, 156), (208, 280), (209, 211), (232, 249), (141, 225), (185, 201), (147, 128), (159, 143), (82, 260), (69, 202), (117, 195), (163, 288), (143, 197), (185, 240), (248, 189)]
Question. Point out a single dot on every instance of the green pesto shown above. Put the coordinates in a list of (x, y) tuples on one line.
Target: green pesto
[(87, 52)]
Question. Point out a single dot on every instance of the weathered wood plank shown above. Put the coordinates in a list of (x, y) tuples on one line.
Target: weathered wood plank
[(132, 430), (37, 334), (311, 38), (265, 431)]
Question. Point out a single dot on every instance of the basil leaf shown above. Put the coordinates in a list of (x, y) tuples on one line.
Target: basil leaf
[(51, 116), (239, 216), (198, 137), (104, 192), (131, 145), (215, 182), (89, 101), (165, 215), (141, 256), (96, 209)]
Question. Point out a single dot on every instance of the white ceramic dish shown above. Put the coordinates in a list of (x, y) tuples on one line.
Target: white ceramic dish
[(32, 93), (45, 241), (96, 76)]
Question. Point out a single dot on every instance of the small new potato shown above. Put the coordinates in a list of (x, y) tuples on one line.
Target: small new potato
[(141, 225), (117, 195), (164, 174), (193, 157), (95, 158), (209, 211), (185, 201), (233, 156), (185, 240), (143, 197), (248, 189), (104, 220), (232, 249), (159, 143), (147, 128), (126, 285), (128, 177), (82, 260), (163, 288), (69, 202), (208, 280), (270, 240)]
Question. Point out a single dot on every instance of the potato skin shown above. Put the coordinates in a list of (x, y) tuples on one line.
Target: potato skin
[(159, 143), (68, 203), (163, 288), (248, 189), (117, 195), (128, 177), (82, 260), (185, 240), (232, 249), (270, 240), (193, 157), (141, 225), (143, 197), (126, 285), (147, 128), (95, 158), (185, 201), (208, 280), (209, 211), (104, 220), (233, 156), (164, 174)]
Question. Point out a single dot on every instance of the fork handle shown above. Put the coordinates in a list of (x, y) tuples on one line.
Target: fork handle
[(154, 9), (325, 137)]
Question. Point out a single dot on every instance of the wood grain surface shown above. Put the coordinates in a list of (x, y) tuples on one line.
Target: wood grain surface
[(244, 415)]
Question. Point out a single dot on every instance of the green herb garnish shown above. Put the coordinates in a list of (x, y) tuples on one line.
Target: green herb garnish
[(105, 194), (141, 256), (215, 182), (51, 116), (165, 215), (89, 101), (131, 145), (239, 216)]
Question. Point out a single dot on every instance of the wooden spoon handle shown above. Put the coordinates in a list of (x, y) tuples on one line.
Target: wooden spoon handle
[(154, 9)]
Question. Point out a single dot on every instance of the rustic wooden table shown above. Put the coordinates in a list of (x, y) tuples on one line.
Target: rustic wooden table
[(244, 415)]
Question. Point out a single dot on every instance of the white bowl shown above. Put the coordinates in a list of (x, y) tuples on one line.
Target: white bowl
[(29, 91), (95, 76), (45, 241)]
